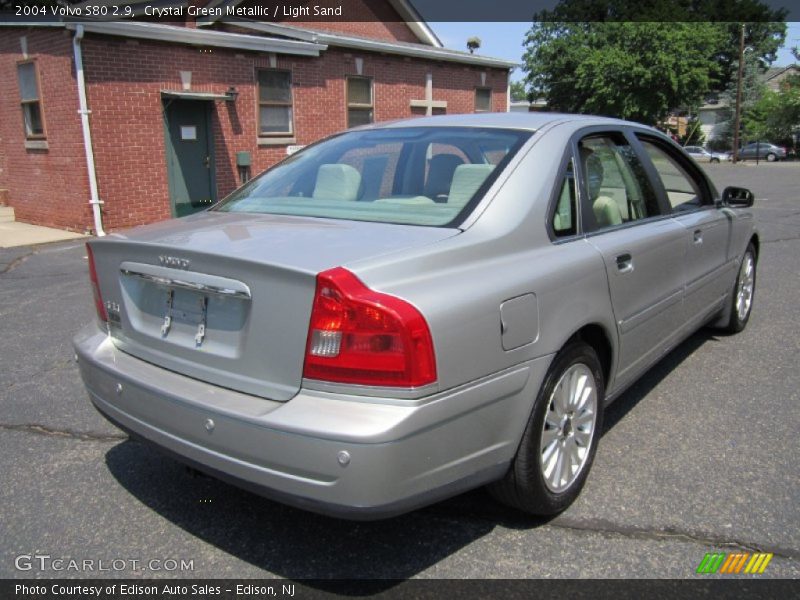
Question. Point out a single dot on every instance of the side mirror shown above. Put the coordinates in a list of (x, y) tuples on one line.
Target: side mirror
[(737, 197)]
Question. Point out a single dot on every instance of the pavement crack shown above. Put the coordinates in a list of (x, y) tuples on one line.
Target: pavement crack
[(15, 263), (603, 526), (83, 436), (47, 275), (778, 240)]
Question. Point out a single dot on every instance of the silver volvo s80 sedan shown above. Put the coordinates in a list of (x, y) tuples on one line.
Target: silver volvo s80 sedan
[(405, 311)]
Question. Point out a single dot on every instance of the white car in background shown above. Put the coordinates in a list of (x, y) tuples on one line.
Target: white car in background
[(700, 154)]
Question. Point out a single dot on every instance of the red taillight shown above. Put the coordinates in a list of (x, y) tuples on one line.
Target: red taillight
[(98, 299), (364, 337)]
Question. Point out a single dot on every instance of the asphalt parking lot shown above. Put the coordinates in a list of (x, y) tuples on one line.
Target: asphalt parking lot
[(700, 456)]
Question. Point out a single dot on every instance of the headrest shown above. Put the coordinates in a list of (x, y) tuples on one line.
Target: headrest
[(466, 181), (337, 182), (594, 172)]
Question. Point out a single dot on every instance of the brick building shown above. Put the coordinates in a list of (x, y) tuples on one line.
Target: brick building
[(178, 114)]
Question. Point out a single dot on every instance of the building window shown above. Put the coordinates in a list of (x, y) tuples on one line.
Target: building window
[(31, 103), (275, 103), (483, 99), (359, 101)]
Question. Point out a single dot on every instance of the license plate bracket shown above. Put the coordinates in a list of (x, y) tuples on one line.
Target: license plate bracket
[(186, 307)]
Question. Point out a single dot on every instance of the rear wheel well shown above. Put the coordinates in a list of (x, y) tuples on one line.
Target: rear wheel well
[(596, 337)]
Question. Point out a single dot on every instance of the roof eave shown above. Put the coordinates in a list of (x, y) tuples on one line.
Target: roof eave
[(431, 54), (190, 36), (416, 23), (330, 39)]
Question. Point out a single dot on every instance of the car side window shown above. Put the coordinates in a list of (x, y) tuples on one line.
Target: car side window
[(618, 190), (683, 191), (564, 218)]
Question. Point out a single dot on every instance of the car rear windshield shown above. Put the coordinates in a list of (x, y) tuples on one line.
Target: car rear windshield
[(413, 175)]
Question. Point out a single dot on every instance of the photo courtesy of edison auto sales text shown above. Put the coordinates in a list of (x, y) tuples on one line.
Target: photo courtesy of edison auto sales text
[(172, 589)]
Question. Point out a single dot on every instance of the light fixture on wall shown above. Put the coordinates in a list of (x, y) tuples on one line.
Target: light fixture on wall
[(231, 94)]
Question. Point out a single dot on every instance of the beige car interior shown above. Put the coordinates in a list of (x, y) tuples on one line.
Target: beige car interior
[(337, 182)]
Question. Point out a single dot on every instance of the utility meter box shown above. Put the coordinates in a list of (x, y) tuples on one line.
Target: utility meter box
[(243, 159)]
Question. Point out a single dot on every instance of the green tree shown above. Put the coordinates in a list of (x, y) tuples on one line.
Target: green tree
[(764, 34), (632, 70), (518, 93), (694, 135), (752, 90), (775, 117), (762, 40)]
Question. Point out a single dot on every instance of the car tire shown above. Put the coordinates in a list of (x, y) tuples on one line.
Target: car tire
[(560, 428), (771, 157), (714, 160), (743, 292)]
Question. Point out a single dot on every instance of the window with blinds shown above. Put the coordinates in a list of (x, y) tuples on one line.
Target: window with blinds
[(360, 108), (275, 103), (30, 100), (483, 99)]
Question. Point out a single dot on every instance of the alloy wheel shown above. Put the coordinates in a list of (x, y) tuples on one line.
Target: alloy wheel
[(569, 427), (744, 293)]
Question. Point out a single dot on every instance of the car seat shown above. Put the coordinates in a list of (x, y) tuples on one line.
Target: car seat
[(337, 182), (466, 181)]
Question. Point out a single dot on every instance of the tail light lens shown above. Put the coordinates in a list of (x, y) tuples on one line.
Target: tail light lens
[(361, 336), (98, 299)]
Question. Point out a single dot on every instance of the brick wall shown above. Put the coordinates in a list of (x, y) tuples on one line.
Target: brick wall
[(48, 187), (124, 83)]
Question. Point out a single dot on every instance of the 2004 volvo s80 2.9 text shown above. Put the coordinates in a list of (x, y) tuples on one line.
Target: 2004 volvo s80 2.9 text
[(405, 311)]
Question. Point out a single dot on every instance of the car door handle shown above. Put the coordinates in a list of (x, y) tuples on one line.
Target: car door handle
[(625, 263), (698, 237)]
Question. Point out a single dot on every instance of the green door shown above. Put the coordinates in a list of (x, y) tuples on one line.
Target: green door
[(190, 155)]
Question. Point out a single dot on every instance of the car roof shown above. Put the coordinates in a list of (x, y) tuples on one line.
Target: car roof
[(509, 120)]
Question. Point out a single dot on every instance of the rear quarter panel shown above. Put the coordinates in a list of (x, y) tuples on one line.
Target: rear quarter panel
[(459, 284)]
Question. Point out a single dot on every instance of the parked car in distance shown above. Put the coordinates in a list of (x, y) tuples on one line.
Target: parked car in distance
[(701, 154), (762, 151), (405, 311)]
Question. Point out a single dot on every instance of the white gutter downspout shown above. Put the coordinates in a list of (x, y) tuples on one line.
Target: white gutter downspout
[(87, 133)]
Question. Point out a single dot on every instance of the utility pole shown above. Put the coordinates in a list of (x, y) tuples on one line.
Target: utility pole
[(737, 119)]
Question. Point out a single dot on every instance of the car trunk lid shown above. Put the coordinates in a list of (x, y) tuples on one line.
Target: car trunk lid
[(226, 297)]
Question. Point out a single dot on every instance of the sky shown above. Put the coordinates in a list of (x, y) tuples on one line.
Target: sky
[(504, 40)]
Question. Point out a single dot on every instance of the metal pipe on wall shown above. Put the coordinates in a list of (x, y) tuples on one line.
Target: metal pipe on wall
[(87, 133)]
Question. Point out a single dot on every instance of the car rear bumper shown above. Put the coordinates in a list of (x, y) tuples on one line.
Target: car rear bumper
[(345, 455)]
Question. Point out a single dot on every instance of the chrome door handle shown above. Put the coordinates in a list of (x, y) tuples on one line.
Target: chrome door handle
[(625, 263), (698, 237)]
